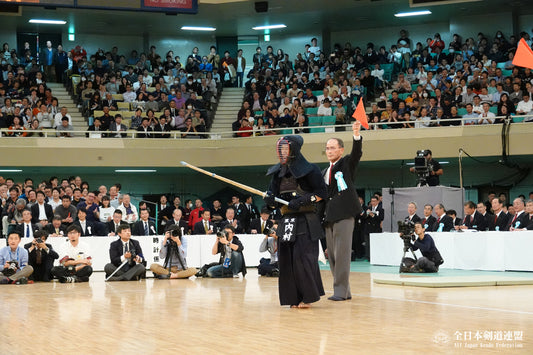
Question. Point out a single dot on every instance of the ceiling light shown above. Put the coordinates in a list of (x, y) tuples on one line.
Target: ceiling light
[(135, 171), (268, 27), (48, 22), (10, 170), (413, 13), (198, 28)]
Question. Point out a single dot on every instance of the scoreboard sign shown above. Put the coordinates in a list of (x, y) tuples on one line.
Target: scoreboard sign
[(182, 6)]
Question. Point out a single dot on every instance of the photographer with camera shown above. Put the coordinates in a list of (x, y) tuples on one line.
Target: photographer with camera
[(430, 174), (431, 258), (14, 268), (230, 249), (76, 263), (41, 256), (125, 251), (269, 267), (174, 252)]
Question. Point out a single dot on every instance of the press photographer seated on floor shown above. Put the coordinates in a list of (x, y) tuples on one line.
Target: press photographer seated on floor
[(174, 252), (230, 249), (431, 258)]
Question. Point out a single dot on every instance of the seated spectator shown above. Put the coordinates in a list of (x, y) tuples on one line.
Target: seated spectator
[(41, 257), (325, 108), (309, 100), (504, 101), (56, 228), (188, 129), (198, 121), (402, 85), (246, 128), (174, 253), (87, 228), (122, 250), (129, 211), (65, 129), (76, 261), (144, 130), (486, 117), (41, 212), (231, 261), (143, 226), (204, 226), (525, 106), (423, 121), (66, 211), (129, 95), (112, 226), (162, 127), (109, 102), (473, 219), (25, 228), (136, 119), (17, 129), (96, 127), (44, 117), (116, 127), (14, 268)]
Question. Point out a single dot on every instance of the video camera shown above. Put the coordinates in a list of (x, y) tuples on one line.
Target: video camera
[(407, 233), (422, 167)]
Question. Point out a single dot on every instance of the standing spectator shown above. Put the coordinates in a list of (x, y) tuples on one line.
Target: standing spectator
[(48, 57)]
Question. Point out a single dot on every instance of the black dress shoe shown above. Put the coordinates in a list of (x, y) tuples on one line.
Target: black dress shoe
[(336, 298)]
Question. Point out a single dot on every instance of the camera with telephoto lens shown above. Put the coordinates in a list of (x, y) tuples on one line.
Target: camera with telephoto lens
[(222, 234), (11, 269), (269, 231)]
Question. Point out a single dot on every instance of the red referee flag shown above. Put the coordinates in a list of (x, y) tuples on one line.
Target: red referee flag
[(360, 114), (523, 56)]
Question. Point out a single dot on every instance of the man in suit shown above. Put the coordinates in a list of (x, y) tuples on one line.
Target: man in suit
[(163, 126), (41, 212), (253, 211), (87, 228), (116, 128), (177, 221), (411, 210), (109, 102), (341, 210), (521, 218), (144, 130), (96, 127), (144, 226), (56, 228), (473, 219), (529, 211), (242, 214), (205, 226), (41, 256), (230, 219), (428, 219), (122, 250), (443, 223), (501, 218), (25, 228), (453, 215), (489, 217), (259, 225), (373, 218)]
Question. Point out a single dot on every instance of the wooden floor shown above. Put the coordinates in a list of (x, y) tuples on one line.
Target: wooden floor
[(243, 316)]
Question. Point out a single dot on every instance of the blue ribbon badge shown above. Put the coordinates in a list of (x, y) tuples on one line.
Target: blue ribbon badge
[(341, 184)]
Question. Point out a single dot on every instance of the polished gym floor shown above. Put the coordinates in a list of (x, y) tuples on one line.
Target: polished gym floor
[(243, 316)]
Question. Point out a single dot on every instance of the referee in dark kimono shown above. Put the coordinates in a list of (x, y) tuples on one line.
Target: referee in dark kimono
[(342, 208)]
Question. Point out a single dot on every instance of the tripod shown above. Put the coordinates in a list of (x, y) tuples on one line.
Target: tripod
[(172, 247), (407, 247)]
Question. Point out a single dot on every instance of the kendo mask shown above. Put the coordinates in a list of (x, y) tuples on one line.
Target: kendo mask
[(285, 151)]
